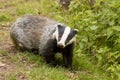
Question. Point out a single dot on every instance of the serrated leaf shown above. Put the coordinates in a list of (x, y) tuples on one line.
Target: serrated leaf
[(94, 27), (109, 32), (117, 28), (112, 23), (82, 45)]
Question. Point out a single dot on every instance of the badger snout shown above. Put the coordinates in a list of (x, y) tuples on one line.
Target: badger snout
[(61, 45)]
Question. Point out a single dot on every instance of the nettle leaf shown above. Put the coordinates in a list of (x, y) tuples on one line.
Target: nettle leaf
[(59, 17), (119, 20), (99, 57), (82, 45), (94, 27), (85, 39), (112, 23), (116, 28), (109, 32)]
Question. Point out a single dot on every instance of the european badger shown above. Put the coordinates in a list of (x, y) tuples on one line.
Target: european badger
[(46, 36)]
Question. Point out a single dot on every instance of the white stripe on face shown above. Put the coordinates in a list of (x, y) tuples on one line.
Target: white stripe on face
[(64, 36)]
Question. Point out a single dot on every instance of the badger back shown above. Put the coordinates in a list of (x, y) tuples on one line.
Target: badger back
[(29, 29)]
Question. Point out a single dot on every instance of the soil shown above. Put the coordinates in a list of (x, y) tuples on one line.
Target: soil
[(5, 45)]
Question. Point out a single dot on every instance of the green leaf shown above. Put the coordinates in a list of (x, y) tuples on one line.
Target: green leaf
[(82, 45), (109, 32), (112, 23), (94, 27), (116, 28)]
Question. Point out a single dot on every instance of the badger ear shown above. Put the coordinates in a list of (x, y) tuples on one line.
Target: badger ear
[(75, 31), (59, 26)]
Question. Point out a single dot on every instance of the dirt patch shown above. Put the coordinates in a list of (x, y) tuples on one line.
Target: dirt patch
[(7, 67), (5, 45), (7, 51)]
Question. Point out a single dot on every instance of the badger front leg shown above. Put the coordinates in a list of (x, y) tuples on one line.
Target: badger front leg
[(67, 56), (50, 59)]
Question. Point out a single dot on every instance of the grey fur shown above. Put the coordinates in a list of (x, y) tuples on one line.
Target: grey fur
[(36, 32), (28, 31)]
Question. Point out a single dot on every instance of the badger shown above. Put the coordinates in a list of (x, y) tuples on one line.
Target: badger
[(46, 36)]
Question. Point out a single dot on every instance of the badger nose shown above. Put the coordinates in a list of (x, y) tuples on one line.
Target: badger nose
[(61, 45)]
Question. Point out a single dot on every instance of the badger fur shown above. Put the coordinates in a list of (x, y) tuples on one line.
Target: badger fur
[(45, 35)]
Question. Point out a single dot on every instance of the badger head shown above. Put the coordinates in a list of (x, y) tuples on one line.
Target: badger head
[(64, 35)]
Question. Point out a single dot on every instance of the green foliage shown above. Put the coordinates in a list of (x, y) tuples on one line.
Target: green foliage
[(3, 52), (3, 17), (11, 77), (99, 31)]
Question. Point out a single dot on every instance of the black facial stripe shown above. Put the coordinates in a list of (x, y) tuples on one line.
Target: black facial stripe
[(70, 36), (61, 30)]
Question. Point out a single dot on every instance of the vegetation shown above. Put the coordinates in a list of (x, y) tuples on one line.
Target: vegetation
[(97, 52)]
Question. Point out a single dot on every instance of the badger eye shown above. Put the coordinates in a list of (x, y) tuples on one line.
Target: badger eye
[(59, 26)]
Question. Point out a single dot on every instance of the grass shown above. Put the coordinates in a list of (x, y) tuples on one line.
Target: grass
[(27, 66)]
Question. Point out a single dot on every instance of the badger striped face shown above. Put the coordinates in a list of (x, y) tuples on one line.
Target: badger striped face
[(64, 35)]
